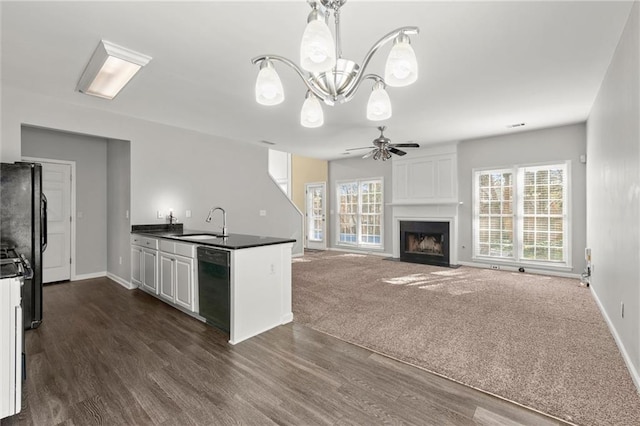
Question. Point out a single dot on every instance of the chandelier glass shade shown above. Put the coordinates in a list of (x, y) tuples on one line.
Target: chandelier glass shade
[(332, 79), (311, 114), (269, 89)]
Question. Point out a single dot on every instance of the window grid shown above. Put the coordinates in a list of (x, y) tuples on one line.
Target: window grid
[(360, 217), (495, 214), (543, 213), (523, 219), (317, 210), (348, 202)]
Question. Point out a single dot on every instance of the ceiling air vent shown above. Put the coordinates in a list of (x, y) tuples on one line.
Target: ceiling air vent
[(513, 126), (267, 142)]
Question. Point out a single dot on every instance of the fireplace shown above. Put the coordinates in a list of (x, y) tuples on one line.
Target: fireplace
[(425, 242)]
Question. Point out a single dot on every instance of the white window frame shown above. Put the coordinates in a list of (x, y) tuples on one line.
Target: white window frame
[(359, 214), (518, 172)]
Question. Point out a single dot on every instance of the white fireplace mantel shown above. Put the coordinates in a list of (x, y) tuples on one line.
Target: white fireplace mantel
[(425, 188), (425, 213)]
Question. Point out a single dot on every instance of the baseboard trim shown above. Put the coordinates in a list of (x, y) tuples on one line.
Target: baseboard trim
[(124, 283), (89, 276), (635, 374), (528, 270), (357, 251), (287, 318)]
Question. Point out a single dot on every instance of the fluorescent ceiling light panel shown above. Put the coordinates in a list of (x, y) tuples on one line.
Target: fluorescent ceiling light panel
[(110, 69)]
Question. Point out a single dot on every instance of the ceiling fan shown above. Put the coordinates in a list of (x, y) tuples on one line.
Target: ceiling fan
[(383, 148)]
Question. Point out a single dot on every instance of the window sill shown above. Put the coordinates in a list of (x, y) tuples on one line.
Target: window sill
[(361, 246), (515, 263)]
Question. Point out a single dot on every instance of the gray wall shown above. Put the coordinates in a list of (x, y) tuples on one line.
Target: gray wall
[(539, 146), (359, 168), (90, 155), (170, 167), (118, 208), (613, 202)]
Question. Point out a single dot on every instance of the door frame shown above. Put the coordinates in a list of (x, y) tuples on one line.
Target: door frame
[(72, 271), (306, 215)]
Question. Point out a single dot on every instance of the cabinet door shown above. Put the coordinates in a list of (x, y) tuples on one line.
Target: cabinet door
[(150, 274), (136, 266), (167, 277), (184, 282)]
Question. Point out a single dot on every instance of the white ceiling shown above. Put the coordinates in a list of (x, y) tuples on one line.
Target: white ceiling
[(483, 65)]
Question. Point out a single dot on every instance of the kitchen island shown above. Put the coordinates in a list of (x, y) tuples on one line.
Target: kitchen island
[(164, 264)]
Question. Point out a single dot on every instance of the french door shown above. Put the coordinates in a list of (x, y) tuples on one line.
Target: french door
[(316, 224)]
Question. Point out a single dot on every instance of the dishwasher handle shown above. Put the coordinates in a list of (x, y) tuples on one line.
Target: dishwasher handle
[(217, 257)]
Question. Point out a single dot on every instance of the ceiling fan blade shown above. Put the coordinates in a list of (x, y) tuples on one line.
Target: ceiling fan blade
[(362, 147), (370, 153), (396, 151), (406, 145)]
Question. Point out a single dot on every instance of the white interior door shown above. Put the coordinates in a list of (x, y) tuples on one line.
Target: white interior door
[(316, 223), (56, 185)]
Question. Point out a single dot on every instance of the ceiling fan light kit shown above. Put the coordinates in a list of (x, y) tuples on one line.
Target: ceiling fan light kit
[(383, 148), (329, 77)]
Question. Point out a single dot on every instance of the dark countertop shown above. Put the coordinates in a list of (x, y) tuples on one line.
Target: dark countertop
[(231, 242)]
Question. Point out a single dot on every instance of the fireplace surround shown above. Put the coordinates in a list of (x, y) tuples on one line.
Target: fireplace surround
[(426, 242)]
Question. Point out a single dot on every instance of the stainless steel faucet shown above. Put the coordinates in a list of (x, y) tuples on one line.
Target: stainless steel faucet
[(224, 219)]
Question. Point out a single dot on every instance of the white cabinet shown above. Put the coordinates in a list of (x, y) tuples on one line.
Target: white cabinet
[(428, 177), (150, 277), (136, 265), (144, 263), (185, 282), (167, 277), (177, 283)]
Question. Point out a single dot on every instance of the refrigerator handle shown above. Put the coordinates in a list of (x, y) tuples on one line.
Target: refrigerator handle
[(43, 218)]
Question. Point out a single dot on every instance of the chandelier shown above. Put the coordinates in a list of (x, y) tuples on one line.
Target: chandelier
[(329, 77)]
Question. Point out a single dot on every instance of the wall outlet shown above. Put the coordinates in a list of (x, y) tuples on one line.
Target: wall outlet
[(263, 212), (187, 213), (126, 214), (495, 267), (120, 260), (160, 215)]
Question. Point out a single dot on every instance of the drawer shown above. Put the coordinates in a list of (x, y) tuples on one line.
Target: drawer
[(167, 246), (139, 240), (182, 249), (187, 250)]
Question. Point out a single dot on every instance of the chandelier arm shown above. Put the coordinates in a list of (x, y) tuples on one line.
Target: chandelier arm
[(336, 16), (297, 69), (354, 88)]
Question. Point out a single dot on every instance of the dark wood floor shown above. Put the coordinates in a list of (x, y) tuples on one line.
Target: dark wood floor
[(107, 355)]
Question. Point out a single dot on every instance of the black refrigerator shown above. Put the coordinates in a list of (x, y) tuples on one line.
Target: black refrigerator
[(23, 226)]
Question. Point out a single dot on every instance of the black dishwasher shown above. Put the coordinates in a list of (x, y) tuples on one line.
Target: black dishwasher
[(214, 287)]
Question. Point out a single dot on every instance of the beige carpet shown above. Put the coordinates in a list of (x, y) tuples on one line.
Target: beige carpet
[(536, 340)]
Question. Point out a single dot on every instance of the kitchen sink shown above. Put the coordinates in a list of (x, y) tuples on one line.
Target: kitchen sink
[(197, 237)]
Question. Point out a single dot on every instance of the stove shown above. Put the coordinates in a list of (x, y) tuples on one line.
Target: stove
[(13, 264)]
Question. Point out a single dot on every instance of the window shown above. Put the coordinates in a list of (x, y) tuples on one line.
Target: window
[(360, 212), (520, 214)]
